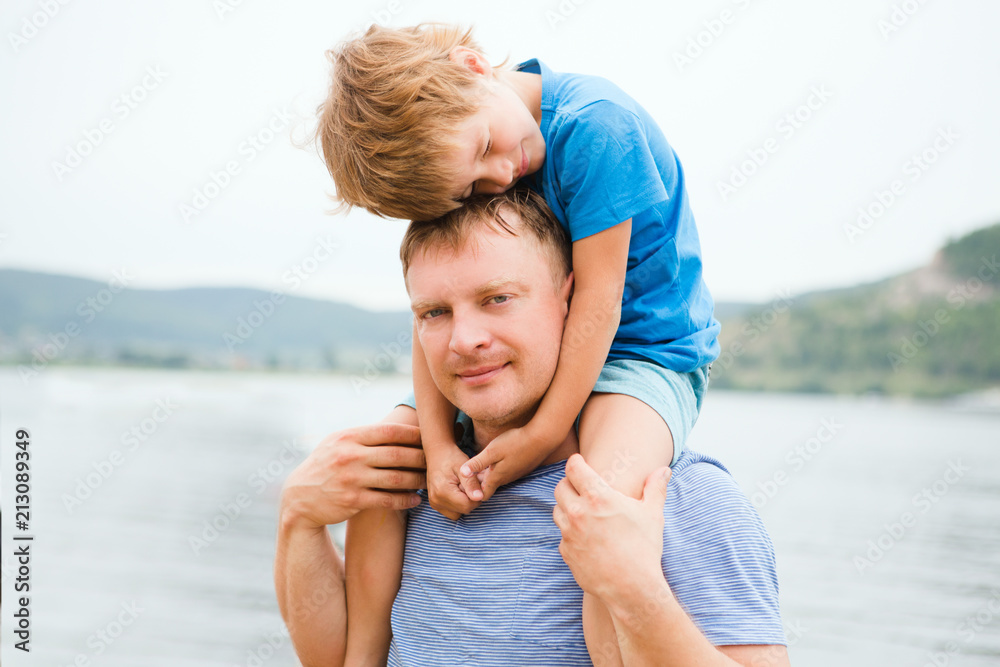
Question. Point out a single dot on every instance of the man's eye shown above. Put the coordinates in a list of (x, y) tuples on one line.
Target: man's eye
[(500, 298), (430, 314)]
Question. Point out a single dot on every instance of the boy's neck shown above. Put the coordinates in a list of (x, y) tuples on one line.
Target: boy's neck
[(528, 87)]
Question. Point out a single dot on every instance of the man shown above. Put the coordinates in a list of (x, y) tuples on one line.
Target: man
[(687, 576)]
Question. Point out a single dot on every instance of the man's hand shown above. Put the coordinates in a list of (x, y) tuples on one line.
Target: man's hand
[(510, 456), (375, 466), (611, 542), (444, 488)]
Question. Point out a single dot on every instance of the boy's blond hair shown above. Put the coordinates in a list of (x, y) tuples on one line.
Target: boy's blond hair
[(534, 220), (389, 122)]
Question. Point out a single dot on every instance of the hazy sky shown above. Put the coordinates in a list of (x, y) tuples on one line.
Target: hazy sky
[(116, 113)]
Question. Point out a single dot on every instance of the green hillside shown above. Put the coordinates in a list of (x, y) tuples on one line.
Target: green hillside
[(201, 327), (931, 332)]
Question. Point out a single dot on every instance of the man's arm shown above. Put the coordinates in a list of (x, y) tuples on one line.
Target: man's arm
[(309, 581), (640, 617), (602, 529), (349, 471)]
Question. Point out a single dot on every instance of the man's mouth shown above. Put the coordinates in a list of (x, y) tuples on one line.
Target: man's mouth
[(480, 374)]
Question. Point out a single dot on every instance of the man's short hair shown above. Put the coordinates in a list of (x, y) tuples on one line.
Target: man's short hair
[(389, 122), (534, 218)]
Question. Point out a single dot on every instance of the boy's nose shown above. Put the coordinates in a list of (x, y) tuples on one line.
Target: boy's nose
[(503, 173)]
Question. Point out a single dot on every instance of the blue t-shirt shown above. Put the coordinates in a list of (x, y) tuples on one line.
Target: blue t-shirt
[(492, 588), (607, 161)]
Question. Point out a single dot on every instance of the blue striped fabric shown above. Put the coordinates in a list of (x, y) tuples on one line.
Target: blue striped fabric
[(492, 589)]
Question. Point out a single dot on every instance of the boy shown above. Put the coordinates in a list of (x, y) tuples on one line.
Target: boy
[(417, 120)]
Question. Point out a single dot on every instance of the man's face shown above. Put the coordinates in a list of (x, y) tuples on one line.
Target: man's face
[(497, 145), (490, 320)]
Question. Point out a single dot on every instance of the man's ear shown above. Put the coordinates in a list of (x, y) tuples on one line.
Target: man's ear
[(566, 291), (471, 59)]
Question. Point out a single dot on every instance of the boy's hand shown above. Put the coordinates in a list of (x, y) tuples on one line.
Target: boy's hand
[(511, 455), (444, 488)]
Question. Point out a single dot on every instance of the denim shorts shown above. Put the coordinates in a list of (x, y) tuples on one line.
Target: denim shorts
[(675, 396)]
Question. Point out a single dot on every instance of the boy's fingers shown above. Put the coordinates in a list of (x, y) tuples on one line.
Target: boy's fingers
[(472, 487), (453, 502), (489, 482), (480, 462), (448, 514)]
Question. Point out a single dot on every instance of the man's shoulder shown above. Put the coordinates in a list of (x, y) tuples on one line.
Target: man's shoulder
[(718, 556), (694, 469), (705, 502)]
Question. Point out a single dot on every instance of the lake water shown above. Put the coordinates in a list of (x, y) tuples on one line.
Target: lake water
[(885, 515)]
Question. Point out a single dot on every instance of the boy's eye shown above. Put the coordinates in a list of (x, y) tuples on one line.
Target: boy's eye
[(489, 145)]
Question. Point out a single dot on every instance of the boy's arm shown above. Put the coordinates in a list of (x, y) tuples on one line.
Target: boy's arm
[(437, 427), (599, 264), (374, 564)]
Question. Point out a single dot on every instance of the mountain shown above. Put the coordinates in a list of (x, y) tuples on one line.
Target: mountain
[(931, 332), (68, 319)]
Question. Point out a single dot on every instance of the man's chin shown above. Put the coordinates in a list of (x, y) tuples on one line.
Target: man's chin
[(485, 404)]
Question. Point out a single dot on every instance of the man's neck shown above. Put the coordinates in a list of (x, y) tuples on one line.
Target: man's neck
[(484, 434)]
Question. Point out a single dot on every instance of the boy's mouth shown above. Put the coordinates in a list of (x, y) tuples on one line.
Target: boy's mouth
[(524, 164)]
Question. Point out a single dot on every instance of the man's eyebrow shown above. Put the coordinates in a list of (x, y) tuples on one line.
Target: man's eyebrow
[(425, 304), (499, 284), (495, 285)]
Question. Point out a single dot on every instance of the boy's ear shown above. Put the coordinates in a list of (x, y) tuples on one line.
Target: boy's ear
[(470, 59)]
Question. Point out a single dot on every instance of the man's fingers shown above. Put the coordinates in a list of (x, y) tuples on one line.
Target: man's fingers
[(369, 499), (584, 479), (655, 489), (565, 493), (559, 517), (395, 479), (395, 456), (385, 433)]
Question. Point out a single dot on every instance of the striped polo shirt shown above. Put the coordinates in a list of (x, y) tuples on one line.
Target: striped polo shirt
[(492, 588)]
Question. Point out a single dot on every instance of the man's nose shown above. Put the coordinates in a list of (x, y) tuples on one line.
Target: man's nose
[(467, 335)]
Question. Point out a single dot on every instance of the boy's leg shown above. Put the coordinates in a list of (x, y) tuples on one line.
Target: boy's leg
[(374, 558), (624, 440)]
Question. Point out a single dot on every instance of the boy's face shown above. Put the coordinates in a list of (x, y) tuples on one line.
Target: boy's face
[(499, 144)]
